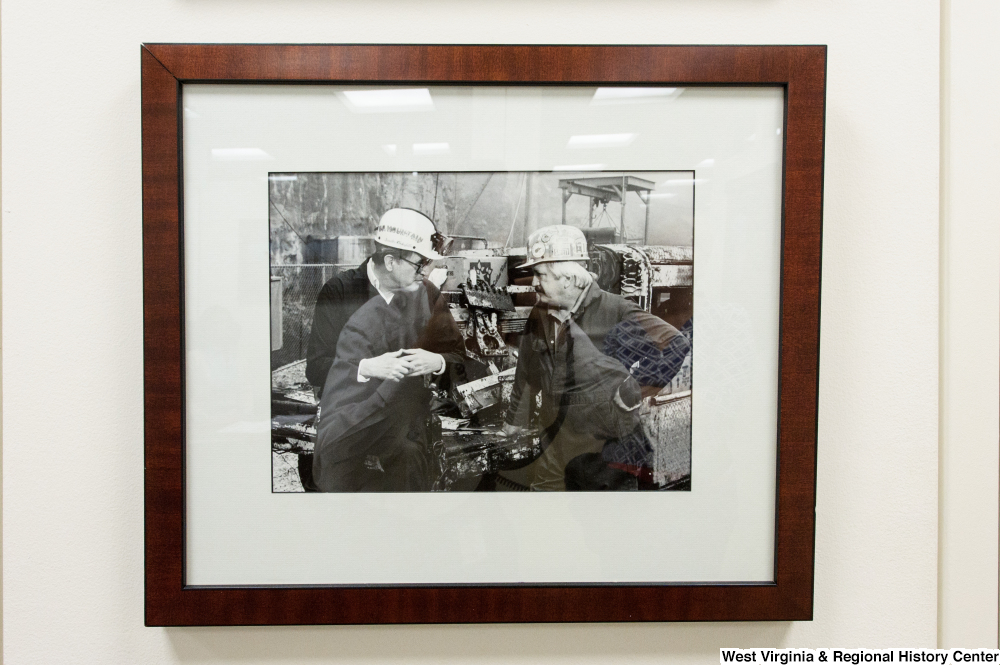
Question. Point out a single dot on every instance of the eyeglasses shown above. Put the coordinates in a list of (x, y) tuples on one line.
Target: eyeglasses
[(417, 266)]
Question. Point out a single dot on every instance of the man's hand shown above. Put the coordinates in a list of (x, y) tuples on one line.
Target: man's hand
[(391, 366), (423, 362)]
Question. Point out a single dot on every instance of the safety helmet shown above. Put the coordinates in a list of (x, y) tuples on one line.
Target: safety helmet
[(403, 228), (556, 243)]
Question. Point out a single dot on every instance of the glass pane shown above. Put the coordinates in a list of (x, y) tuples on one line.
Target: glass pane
[(669, 201)]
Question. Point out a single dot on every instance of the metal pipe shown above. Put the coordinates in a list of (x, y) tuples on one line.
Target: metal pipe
[(645, 230), (315, 265), (624, 192)]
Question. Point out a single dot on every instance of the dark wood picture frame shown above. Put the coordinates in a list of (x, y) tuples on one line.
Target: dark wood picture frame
[(800, 70)]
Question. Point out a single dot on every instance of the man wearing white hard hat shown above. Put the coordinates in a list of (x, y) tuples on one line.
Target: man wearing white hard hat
[(371, 434), (402, 229), (588, 396)]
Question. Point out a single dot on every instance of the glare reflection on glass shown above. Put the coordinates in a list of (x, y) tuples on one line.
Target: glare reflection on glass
[(431, 149), (579, 167), (392, 99), (600, 140), (633, 95)]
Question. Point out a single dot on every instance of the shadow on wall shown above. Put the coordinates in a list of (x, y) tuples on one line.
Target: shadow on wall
[(676, 643)]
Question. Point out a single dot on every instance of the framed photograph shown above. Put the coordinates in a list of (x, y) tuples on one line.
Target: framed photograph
[(420, 332)]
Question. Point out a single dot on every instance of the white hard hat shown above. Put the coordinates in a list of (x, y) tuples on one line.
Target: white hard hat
[(402, 228), (556, 243)]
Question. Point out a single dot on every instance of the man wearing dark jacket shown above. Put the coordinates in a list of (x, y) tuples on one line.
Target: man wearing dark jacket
[(588, 397), (372, 434), (346, 292), (339, 298)]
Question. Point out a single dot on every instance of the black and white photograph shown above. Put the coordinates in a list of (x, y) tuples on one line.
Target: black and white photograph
[(481, 331)]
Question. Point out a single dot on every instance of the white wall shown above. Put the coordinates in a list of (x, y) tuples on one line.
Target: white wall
[(970, 322), (72, 398)]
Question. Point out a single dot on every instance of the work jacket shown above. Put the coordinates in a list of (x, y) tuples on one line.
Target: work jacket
[(337, 301), (360, 419), (564, 361)]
